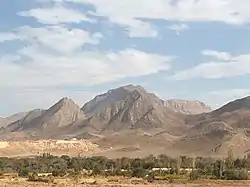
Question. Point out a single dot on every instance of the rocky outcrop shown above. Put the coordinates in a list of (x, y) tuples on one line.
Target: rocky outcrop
[(11, 119), (187, 107), (62, 114), (129, 107)]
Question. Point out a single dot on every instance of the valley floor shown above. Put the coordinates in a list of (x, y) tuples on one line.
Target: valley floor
[(18, 182)]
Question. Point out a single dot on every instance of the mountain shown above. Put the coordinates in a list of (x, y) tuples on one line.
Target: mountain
[(237, 105), (131, 107), (131, 121), (213, 132), (5, 121), (235, 114), (62, 114), (187, 107)]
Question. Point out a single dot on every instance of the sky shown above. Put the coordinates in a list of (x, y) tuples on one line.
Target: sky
[(178, 49)]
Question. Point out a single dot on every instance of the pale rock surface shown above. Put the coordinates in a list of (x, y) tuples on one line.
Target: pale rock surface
[(187, 107)]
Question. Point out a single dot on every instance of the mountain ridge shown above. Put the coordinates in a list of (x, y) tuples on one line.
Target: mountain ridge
[(129, 111)]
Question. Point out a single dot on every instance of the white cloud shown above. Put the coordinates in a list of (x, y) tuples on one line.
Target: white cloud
[(59, 38), (239, 65), (142, 29), (178, 28), (81, 68), (219, 55), (127, 12), (7, 37), (53, 56), (56, 15)]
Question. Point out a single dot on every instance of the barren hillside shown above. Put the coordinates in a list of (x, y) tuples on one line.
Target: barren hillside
[(187, 107), (11, 119), (64, 113), (218, 131), (132, 107)]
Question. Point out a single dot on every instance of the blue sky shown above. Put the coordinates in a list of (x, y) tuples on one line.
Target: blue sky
[(185, 49)]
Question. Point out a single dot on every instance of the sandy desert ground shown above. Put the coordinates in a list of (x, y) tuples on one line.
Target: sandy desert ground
[(17, 182)]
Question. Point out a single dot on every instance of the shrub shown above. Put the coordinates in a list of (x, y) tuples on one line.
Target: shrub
[(33, 177), (23, 172), (243, 174), (194, 175), (57, 173), (96, 171), (139, 172), (235, 174)]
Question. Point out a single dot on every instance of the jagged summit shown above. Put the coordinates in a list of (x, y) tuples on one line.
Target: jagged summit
[(132, 87), (131, 105), (65, 105), (64, 113), (188, 107)]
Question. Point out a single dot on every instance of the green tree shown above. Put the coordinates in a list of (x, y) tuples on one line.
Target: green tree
[(139, 172), (23, 172), (230, 159)]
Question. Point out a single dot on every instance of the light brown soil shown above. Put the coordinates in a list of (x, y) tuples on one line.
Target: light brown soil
[(17, 182), (55, 147)]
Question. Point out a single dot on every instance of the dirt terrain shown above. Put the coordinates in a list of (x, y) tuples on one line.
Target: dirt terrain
[(55, 147), (17, 182)]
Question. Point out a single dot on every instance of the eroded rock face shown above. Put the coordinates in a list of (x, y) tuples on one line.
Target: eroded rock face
[(11, 119), (187, 107), (131, 105), (62, 114)]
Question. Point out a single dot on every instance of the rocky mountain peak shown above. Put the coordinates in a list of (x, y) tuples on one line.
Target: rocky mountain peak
[(117, 95), (187, 107), (64, 105), (64, 113), (130, 105), (131, 87)]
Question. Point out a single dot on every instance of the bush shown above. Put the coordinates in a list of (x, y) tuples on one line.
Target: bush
[(139, 172), (243, 174), (194, 175), (235, 174), (23, 172), (57, 173), (33, 177), (96, 171)]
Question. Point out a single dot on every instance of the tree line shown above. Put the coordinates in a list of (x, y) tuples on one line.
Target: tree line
[(229, 168)]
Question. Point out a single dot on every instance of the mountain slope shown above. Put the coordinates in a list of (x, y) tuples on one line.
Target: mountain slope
[(239, 104), (63, 114), (131, 107), (8, 120), (187, 107), (235, 114), (216, 130)]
